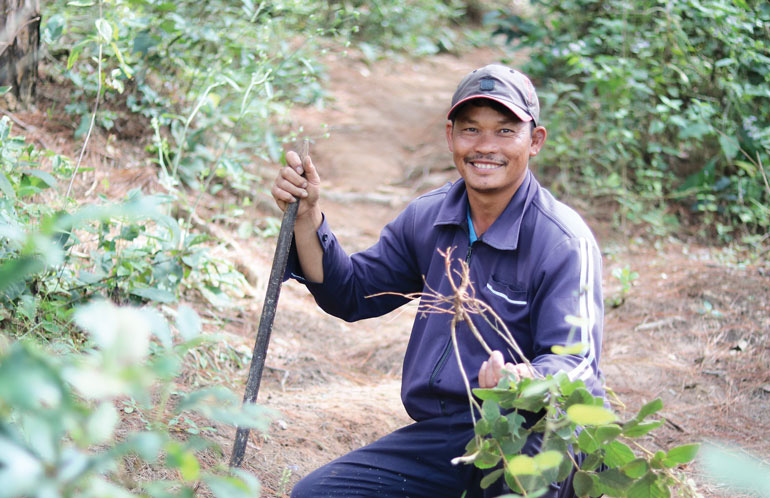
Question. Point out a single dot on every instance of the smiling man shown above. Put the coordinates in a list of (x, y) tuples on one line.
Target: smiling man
[(531, 258)]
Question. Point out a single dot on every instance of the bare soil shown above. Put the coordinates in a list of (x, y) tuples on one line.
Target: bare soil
[(693, 329)]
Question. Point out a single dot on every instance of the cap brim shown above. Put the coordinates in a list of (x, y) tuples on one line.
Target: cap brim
[(520, 113)]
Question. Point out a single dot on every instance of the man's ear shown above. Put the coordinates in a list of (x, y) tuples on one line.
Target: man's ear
[(539, 135), (449, 128)]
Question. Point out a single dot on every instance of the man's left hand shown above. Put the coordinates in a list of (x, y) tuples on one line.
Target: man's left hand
[(495, 368)]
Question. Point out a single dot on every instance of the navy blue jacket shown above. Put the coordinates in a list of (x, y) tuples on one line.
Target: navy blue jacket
[(535, 265)]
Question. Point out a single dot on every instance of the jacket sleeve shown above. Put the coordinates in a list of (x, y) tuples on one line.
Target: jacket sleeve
[(351, 281), (569, 283)]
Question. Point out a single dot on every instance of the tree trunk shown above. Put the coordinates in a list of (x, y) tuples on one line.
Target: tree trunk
[(19, 43)]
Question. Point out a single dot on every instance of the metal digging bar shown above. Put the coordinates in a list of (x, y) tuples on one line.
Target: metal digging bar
[(268, 315)]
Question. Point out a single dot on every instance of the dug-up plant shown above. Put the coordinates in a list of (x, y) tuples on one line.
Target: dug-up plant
[(571, 420), (60, 426)]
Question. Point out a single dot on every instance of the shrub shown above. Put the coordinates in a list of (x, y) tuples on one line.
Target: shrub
[(652, 102)]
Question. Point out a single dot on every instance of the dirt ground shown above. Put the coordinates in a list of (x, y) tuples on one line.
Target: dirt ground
[(693, 329)]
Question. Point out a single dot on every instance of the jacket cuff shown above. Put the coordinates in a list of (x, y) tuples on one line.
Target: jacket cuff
[(293, 267)]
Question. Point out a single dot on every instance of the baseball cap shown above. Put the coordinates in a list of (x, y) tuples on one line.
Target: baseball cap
[(501, 84)]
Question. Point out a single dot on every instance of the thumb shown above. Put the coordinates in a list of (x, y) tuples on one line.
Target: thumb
[(311, 174)]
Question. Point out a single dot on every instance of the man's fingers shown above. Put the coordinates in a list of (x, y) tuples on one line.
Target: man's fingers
[(294, 162), (483, 376), (495, 368)]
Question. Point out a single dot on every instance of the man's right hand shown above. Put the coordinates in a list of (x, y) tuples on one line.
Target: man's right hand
[(290, 184)]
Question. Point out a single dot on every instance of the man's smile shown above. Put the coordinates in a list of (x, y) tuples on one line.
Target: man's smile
[(485, 163)]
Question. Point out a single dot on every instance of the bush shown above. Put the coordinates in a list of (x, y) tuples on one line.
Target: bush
[(59, 414), (216, 78), (651, 102)]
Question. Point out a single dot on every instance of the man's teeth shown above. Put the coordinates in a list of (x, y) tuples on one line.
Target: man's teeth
[(485, 165)]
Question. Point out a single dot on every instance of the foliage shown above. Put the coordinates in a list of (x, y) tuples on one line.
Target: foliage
[(572, 419), (215, 78), (651, 102), (130, 252), (59, 413)]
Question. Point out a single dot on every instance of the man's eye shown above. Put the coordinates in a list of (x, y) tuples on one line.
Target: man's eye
[(470, 129), (506, 131)]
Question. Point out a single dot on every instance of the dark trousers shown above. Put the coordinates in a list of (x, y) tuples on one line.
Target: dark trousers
[(413, 462)]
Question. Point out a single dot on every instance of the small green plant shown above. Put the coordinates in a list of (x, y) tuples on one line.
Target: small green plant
[(612, 463), (626, 277)]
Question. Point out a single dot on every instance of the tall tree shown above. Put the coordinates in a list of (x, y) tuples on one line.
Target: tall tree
[(19, 43)]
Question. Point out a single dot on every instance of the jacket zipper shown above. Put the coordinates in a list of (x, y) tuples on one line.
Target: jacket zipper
[(447, 349)]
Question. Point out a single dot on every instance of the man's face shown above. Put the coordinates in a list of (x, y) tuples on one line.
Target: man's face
[(491, 150)]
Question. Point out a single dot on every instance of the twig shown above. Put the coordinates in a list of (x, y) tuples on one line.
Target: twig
[(93, 114)]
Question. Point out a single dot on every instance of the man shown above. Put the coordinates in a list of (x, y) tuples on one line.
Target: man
[(531, 258)]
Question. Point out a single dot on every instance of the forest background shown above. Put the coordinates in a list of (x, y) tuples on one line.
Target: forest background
[(659, 128)]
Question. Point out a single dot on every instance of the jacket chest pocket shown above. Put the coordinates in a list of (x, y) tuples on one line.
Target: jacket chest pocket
[(512, 305)]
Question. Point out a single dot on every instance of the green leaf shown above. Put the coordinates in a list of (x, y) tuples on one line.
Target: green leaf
[(104, 29), (582, 483), (577, 348), (44, 176), (490, 478), (158, 326), (521, 465), (500, 428), (179, 458), (648, 487), (74, 55), (548, 459), (154, 294), (729, 146), (240, 485), (6, 187), (615, 480), (586, 441), (495, 394), (592, 461), (636, 429), (20, 470), (101, 423), (590, 415), (656, 462), (490, 410), (618, 454), (636, 468), (483, 427), (147, 445), (536, 388), (5, 89), (649, 408), (487, 457), (511, 446), (682, 454), (607, 433)]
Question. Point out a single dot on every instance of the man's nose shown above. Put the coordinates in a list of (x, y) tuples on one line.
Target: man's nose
[(486, 144)]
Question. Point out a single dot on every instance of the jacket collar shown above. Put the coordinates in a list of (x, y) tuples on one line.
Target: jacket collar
[(504, 232)]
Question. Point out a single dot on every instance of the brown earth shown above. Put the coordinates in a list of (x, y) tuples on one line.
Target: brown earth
[(692, 329)]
